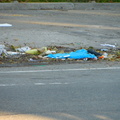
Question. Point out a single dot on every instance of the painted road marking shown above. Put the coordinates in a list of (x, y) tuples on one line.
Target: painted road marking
[(16, 15), (52, 83), (7, 85), (69, 11), (68, 25), (58, 83), (35, 84), (65, 24), (59, 70), (39, 84)]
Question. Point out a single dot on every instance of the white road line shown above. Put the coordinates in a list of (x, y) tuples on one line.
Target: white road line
[(33, 84), (7, 85), (58, 70), (39, 84), (58, 83)]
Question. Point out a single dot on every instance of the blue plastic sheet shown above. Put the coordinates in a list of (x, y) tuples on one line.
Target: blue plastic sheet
[(79, 54)]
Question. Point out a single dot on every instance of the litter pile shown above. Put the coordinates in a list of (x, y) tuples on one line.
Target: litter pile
[(16, 54)]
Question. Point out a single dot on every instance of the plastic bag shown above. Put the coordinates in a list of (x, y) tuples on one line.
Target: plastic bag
[(79, 54), (2, 50), (23, 49)]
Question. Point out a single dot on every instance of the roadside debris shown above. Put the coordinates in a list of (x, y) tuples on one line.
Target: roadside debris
[(78, 54), (105, 50), (2, 50), (23, 49), (105, 55), (108, 45), (50, 52), (17, 54), (33, 52), (13, 53), (5, 25), (94, 52)]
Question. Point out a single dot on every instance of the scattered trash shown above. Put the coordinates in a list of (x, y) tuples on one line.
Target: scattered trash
[(5, 25), (23, 49), (42, 57), (94, 52), (108, 45), (32, 60), (101, 57), (105, 50), (50, 52), (45, 50), (16, 54), (2, 50), (105, 55), (33, 52), (13, 48), (118, 53), (78, 54)]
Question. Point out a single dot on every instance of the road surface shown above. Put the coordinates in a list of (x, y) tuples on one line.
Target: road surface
[(73, 28), (60, 92)]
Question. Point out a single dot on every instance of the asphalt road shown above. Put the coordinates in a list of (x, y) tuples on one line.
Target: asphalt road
[(60, 92), (75, 28)]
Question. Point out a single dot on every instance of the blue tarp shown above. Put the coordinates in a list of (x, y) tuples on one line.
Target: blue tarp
[(78, 54)]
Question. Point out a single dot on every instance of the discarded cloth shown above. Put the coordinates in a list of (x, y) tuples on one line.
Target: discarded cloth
[(78, 54)]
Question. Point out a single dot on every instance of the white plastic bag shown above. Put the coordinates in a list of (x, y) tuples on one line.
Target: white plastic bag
[(23, 49), (2, 50)]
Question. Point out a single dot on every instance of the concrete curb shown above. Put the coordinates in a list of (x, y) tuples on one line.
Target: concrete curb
[(59, 6), (36, 6), (97, 6)]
